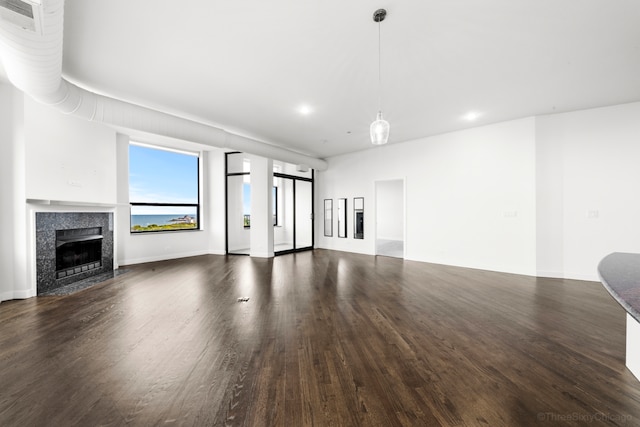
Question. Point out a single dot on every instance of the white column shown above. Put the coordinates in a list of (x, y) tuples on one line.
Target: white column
[(213, 201), (14, 265), (261, 207), (122, 220)]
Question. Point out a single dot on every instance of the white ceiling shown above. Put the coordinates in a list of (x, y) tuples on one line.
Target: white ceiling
[(248, 65)]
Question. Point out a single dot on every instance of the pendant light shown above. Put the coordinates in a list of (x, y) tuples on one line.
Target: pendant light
[(379, 129)]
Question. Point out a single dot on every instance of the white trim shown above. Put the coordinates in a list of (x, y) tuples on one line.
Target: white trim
[(165, 148), (496, 269), (570, 276), (125, 262), (261, 255), (550, 274), (582, 276), (16, 294)]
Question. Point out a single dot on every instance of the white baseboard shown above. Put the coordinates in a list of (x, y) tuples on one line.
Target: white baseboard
[(494, 268), (582, 276), (550, 274), (125, 262), (352, 250), (16, 294), (261, 255)]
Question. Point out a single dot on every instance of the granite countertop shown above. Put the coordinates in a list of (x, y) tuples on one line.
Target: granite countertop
[(620, 275)]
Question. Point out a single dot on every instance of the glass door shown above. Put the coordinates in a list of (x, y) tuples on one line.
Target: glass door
[(283, 229), (303, 214), (294, 212)]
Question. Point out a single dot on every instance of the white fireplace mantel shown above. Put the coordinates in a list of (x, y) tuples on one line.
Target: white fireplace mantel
[(35, 206)]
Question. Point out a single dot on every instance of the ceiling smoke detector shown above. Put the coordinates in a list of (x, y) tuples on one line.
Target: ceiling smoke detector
[(25, 14)]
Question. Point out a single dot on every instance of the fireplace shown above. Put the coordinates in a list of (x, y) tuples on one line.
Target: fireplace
[(72, 246), (78, 250)]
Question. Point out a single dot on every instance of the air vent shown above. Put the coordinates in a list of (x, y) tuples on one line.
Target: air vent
[(24, 14)]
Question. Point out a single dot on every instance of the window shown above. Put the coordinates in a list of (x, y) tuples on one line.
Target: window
[(246, 205), (163, 189)]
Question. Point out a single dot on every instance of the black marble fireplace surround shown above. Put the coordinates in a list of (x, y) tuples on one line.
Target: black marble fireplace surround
[(83, 230)]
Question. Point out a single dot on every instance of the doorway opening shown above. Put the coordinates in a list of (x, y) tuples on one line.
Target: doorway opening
[(390, 226)]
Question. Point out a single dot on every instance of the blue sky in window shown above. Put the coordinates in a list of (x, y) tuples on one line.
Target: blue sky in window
[(160, 176), (246, 199)]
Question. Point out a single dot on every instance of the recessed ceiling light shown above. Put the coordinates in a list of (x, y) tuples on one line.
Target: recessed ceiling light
[(471, 116), (305, 110)]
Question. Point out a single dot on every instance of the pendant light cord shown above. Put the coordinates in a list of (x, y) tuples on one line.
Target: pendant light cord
[(379, 69)]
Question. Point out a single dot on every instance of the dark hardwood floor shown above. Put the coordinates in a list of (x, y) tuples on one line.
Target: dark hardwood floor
[(326, 338)]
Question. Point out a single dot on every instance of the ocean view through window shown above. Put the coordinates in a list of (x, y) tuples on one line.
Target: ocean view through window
[(246, 205), (163, 189)]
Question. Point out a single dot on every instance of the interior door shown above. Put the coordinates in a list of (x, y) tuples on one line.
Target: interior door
[(283, 231), (303, 214)]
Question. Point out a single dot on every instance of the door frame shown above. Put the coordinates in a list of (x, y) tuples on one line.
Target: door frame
[(313, 201)]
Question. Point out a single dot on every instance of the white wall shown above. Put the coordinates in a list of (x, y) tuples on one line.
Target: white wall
[(549, 196), (470, 196), (68, 159), (592, 161), (549, 203)]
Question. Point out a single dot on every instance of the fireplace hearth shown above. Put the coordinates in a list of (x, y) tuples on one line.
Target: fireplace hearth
[(72, 246)]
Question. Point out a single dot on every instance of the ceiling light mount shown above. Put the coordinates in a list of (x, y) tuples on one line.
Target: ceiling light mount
[(379, 15)]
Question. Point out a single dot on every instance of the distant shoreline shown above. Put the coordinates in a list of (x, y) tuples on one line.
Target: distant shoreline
[(163, 219), (184, 219)]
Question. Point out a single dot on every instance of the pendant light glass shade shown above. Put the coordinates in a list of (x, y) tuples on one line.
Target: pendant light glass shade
[(379, 130)]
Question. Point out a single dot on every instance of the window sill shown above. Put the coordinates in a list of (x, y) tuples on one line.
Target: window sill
[(186, 230)]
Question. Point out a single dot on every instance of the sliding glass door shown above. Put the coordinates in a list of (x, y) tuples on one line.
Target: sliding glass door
[(292, 206), (294, 228)]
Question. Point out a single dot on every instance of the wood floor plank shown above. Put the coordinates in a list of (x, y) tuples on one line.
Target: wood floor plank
[(326, 339)]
